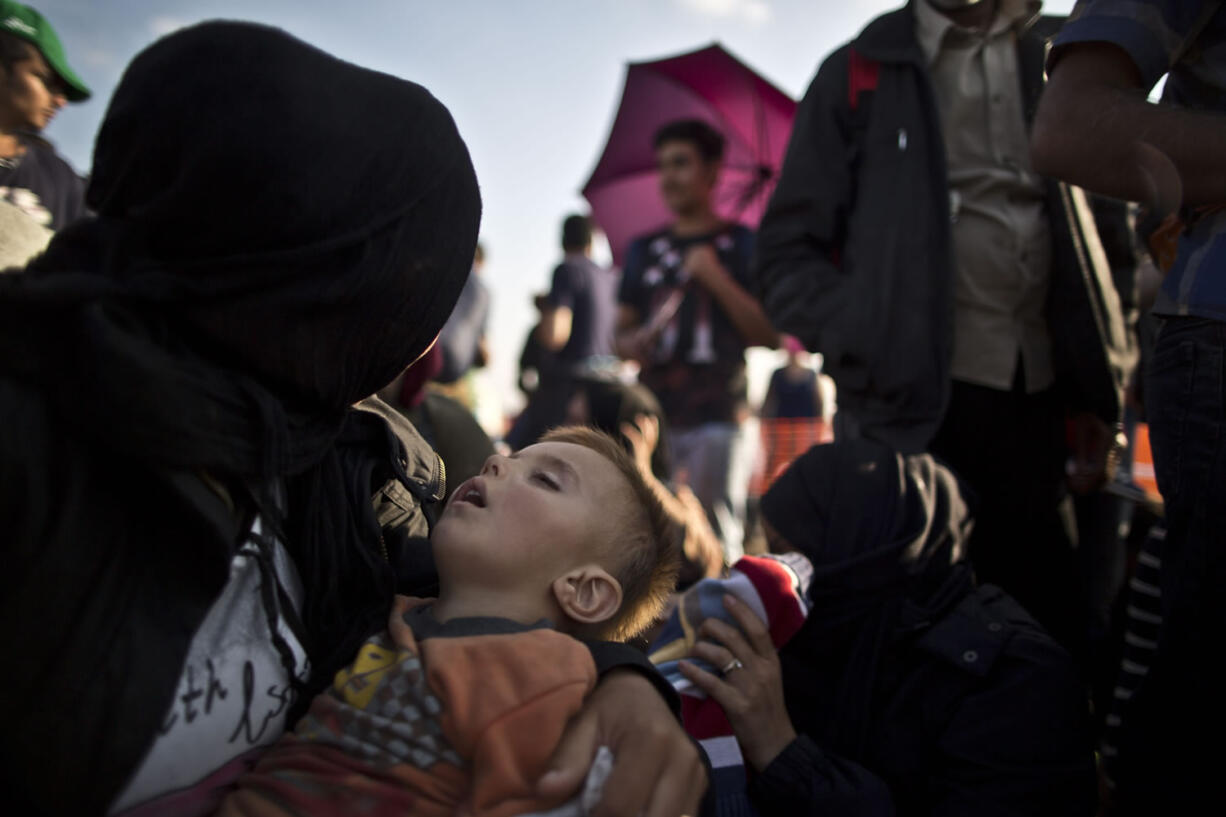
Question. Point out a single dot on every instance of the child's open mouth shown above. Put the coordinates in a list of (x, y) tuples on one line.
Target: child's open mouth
[(471, 492)]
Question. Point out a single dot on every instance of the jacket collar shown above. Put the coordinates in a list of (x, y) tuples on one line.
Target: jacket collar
[(932, 27), (414, 462), (891, 37)]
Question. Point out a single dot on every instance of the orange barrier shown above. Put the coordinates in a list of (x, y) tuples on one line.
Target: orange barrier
[(783, 440), (1143, 464)]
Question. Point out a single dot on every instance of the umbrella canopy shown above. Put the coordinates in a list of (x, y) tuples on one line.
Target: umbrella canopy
[(710, 84)]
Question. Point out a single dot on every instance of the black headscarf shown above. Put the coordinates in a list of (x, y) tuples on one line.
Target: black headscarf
[(278, 234), (886, 534)]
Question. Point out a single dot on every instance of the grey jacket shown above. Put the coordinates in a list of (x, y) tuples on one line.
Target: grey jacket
[(853, 253)]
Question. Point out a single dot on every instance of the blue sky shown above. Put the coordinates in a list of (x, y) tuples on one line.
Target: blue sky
[(533, 85)]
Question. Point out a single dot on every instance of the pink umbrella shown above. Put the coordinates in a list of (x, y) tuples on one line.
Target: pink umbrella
[(709, 84)]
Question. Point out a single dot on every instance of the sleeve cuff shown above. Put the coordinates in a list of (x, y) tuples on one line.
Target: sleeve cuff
[(609, 656), (797, 761), (1137, 41)]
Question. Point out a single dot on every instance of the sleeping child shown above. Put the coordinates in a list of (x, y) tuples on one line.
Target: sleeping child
[(458, 706)]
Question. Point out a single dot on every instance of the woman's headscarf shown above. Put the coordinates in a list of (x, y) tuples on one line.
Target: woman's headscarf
[(278, 234), (886, 534)]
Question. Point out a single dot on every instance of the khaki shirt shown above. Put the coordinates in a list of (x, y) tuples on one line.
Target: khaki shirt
[(1001, 238)]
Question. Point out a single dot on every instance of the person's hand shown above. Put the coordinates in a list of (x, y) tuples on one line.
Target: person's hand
[(702, 264), (657, 771), (751, 694), (643, 435), (1093, 443)]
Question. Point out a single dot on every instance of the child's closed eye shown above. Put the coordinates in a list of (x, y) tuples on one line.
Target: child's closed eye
[(547, 480)]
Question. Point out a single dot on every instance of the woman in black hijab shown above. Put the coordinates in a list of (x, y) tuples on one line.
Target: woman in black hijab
[(189, 539), (908, 690)]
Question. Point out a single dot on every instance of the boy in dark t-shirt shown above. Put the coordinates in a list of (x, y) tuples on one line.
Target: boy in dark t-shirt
[(696, 366), (686, 316), (35, 82)]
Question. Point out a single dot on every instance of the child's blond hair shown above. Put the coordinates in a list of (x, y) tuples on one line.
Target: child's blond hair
[(646, 546)]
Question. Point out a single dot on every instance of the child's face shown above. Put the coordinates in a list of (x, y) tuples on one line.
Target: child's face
[(530, 517)]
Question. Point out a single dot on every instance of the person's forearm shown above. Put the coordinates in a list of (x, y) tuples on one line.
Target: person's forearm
[(746, 314), (554, 329), (805, 780), (700, 546), (1094, 113), (672, 505), (612, 658), (627, 334)]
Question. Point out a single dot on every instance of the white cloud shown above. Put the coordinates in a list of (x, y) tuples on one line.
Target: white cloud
[(162, 25), (756, 11), (99, 58), (753, 11)]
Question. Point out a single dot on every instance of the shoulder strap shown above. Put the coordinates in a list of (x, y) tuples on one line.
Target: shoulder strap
[(862, 75)]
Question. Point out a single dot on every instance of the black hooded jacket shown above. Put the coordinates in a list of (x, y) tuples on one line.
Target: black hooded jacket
[(912, 691)]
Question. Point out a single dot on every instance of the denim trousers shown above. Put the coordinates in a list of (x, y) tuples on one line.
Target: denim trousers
[(1171, 736)]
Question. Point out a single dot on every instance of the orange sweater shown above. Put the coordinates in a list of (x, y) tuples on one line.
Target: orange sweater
[(457, 719)]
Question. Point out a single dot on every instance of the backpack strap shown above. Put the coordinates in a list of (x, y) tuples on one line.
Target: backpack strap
[(862, 75)]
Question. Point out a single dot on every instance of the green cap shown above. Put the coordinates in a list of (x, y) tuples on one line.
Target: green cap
[(26, 23)]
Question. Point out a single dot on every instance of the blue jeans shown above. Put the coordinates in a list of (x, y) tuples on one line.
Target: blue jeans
[(1165, 764)]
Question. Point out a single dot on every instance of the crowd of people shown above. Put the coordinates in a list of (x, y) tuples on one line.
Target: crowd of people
[(262, 559)]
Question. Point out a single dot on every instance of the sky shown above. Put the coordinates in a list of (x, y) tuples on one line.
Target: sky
[(533, 86)]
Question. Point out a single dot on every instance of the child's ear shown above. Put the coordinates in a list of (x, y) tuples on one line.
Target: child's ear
[(588, 594)]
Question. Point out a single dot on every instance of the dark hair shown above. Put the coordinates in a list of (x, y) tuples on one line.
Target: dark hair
[(576, 232), (611, 404), (13, 50), (708, 140), (649, 545)]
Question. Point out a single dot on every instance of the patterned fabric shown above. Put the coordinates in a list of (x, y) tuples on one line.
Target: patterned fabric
[(1188, 40), (775, 588), (234, 690), (42, 185), (381, 709), (1143, 617), (430, 719), (698, 368)]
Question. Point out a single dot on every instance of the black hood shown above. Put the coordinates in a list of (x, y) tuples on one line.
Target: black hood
[(876, 524), (271, 221), (886, 534)]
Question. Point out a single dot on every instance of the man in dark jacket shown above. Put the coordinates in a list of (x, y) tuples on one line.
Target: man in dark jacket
[(963, 303)]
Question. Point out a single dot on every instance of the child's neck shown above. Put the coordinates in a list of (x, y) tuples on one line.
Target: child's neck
[(465, 602)]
